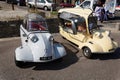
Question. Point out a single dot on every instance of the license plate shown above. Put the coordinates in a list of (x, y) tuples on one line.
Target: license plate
[(46, 58)]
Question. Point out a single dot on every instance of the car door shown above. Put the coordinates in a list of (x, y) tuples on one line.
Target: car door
[(41, 3)]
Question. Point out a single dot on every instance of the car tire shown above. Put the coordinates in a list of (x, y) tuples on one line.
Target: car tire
[(45, 8), (58, 60), (87, 52), (19, 63), (29, 6)]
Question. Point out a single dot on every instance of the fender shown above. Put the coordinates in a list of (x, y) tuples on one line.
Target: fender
[(23, 54), (95, 48), (59, 50)]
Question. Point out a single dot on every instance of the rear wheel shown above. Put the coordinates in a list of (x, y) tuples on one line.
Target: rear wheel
[(58, 60), (20, 63), (29, 6), (87, 52)]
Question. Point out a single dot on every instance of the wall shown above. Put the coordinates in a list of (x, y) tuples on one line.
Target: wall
[(11, 28)]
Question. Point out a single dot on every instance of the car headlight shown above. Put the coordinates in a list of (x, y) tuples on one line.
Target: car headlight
[(34, 39)]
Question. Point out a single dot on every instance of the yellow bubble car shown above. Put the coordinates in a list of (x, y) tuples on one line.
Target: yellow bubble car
[(79, 26)]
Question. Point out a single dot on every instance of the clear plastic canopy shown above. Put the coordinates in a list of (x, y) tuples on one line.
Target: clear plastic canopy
[(35, 22)]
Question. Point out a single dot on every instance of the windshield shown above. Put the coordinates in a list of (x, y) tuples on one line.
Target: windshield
[(37, 26)]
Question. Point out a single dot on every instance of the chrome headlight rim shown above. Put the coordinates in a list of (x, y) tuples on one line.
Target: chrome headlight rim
[(34, 39)]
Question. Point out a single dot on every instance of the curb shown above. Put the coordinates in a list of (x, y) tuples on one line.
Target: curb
[(9, 39)]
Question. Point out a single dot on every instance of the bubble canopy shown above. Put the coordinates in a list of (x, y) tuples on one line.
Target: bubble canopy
[(35, 22)]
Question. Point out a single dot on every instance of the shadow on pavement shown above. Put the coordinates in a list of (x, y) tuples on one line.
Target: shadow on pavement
[(115, 55)]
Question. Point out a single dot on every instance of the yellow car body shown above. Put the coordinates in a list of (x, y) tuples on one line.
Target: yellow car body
[(91, 41)]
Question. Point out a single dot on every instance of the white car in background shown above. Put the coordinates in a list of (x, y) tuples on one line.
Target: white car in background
[(38, 44), (44, 4)]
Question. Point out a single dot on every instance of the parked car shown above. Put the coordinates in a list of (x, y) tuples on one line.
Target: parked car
[(79, 26), (66, 5), (38, 44), (44, 4)]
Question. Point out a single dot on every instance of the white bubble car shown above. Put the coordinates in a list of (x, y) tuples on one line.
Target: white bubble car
[(38, 44)]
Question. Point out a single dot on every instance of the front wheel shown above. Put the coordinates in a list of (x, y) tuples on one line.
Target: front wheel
[(19, 63), (29, 6), (87, 52), (45, 8)]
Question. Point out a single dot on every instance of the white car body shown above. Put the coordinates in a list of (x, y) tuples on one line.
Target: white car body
[(37, 46), (44, 4)]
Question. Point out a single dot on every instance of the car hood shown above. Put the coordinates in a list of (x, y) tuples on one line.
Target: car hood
[(43, 46)]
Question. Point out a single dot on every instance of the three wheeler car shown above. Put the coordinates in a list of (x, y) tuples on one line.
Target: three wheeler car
[(79, 26), (38, 44)]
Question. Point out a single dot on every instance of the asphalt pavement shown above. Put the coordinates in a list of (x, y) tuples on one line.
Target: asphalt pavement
[(74, 65)]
